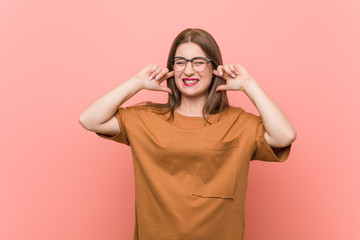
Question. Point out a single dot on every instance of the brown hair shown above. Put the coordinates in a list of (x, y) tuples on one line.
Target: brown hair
[(216, 102)]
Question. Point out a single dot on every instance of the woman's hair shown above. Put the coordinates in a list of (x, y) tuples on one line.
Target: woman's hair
[(216, 102)]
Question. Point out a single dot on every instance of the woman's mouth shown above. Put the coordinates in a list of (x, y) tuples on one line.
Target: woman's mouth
[(190, 81)]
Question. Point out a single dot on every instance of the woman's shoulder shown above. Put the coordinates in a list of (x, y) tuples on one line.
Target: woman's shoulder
[(243, 114), (234, 110), (141, 108), (231, 112), (141, 105)]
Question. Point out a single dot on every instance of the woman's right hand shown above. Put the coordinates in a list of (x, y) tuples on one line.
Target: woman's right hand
[(152, 76)]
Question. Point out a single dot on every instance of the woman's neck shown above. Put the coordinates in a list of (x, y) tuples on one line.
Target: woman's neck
[(192, 106)]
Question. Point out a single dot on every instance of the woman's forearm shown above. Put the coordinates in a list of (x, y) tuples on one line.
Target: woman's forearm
[(105, 107), (280, 131)]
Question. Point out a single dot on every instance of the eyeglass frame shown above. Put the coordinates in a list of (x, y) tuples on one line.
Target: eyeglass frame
[(208, 60)]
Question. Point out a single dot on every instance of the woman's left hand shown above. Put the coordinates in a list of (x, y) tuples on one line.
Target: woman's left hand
[(235, 75)]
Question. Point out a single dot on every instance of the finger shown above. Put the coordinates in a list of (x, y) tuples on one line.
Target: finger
[(150, 69), (161, 73), (232, 68), (220, 70), (216, 72), (154, 73), (237, 68), (221, 88), (228, 71), (168, 75)]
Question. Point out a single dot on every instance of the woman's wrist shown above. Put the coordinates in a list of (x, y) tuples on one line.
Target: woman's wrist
[(136, 84), (250, 86)]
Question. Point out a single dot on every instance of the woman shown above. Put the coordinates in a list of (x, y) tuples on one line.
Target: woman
[(191, 155)]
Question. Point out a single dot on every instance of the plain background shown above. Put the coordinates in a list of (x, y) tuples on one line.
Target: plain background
[(59, 181)]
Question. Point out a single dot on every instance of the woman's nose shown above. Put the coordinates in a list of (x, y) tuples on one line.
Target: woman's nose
[(189, 70)]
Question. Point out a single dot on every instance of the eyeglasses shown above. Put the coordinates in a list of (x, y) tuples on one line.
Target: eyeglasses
[(198, 63)]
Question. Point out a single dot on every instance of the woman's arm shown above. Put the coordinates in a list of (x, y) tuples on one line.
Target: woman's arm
[(279, 132), (98, 115)]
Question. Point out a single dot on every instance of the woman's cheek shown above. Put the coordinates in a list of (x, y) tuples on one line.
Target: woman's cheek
[(177, 81)]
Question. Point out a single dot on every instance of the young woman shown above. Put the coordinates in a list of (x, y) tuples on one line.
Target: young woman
[(192, 154)]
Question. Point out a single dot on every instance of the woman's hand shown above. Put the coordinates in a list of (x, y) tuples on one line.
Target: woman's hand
[(151, 76), (235, 75)]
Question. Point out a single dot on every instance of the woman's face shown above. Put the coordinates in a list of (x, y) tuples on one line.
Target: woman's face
[(189, 82)]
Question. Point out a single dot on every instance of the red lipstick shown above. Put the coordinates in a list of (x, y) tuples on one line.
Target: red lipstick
[(190, 81)]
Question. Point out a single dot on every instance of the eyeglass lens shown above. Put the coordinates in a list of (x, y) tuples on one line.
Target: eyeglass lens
[(199, 64)]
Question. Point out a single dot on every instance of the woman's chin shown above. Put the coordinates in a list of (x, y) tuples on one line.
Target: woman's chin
[(198, 90), (193, 94)]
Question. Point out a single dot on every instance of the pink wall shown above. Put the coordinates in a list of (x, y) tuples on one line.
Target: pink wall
[(59, 181)]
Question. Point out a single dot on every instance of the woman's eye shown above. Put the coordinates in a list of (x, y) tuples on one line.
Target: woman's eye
[(180, 62)]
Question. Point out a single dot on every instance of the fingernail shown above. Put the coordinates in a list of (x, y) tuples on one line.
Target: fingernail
[(233, 75), (150, 78), (236, 72), (156, 77), (220, 73)]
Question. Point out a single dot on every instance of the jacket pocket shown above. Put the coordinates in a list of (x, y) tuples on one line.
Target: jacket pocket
[(216, 168)]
